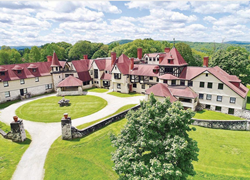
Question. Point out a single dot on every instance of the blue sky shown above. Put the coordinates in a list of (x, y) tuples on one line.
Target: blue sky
[(40, 22)]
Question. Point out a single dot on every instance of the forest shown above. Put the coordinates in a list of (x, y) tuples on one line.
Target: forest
[(232, 58)]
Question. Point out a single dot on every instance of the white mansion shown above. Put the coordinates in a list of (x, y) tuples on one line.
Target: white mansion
[(165, 74)]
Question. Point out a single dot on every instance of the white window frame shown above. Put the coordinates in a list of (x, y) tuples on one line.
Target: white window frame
[(36, 79), (7, 94), (22, 81), (5, 84)]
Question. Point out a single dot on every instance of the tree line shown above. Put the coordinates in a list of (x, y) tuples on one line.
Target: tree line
[(234, 59)]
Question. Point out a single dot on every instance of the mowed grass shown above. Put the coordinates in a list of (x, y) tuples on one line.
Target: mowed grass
[(212, 115), (98, 90), (125, 95), (248, 98), (48, 109), (8, 103), (224, 154), (85, 158), (10, 153)]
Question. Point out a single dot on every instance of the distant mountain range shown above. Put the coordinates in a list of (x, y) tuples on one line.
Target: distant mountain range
[(20, 47)]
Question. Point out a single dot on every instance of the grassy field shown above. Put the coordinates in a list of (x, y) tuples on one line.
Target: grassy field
[(10, 153), (6, 104), (87, 158), (223, 155), (248, 98), (125, 95), (48, 109), (212, 115), (98, 90)]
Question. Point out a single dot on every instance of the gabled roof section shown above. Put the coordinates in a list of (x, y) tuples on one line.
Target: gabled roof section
[(43, 69), (103, 64), (32, 66), (82, 67), (70, 81), (191, 72), (144, 70), (161, 90), (182, 91), (123, 63), (55, 61), (176, 56), (168, 77), (106, 76), (155, 54), (226, 78)]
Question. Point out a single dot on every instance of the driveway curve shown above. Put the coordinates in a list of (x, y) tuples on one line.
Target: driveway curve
[(31, 165)]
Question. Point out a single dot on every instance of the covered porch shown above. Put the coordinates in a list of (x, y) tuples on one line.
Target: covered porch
[(70, 86)]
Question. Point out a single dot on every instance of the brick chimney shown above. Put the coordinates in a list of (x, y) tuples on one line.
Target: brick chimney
[(139, 53), (205, 61), (160, 59), (49, 58), (167, 50), (113, 58), (85, 56), (131, 63)]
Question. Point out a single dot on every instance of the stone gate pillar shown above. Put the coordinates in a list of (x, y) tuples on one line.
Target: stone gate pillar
[(17, 130), (66, 127)]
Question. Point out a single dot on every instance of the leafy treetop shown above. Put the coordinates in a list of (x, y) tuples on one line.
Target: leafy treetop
[(155, 144)]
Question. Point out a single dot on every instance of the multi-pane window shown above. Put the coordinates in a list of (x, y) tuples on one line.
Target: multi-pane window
[(118, 86), (5, 84), (173, 82), (217, 108), (34, 70), (232, 100), (230, 111), (209, 96), (95, 73), (151, 78), (91, 72), (25, 91), (134, 85), (48, 86), (19, 71), (21, 81), (2, 73), (208, 106), (202, 84), (157, 79), (7, 94), (182, 82), (36, 79), (117, 75), (219, 98), (220, 86), (201, 96), (165, 81), (206, 74), (210, 85), (190, 83), (143, 86)]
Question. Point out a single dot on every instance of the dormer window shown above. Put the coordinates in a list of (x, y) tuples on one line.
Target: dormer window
[(157, 59), (34, 70), (2, 73), (19, 71)]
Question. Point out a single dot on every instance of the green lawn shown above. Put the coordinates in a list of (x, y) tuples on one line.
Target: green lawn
[(212, 115), (125, 95), (248, 98), (6, 104), (223, 155), (48, 109), (10, 153), (85, 158), (98, 90)]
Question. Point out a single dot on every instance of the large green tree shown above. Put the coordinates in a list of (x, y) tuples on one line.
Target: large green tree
[(15, 57), (79, 49), (187, 54), (99, 54), (4, 57), (234, 61), (155, 144), (35, 54)]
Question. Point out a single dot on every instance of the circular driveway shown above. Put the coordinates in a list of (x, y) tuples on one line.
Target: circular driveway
[(43, 135)]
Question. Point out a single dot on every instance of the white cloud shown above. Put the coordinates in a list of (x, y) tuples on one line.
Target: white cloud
[(209, 19), (212, 7), (170, 5)]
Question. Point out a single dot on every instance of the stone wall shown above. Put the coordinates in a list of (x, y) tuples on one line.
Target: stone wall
[(70, 132), (17, 133), (239, 125)]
